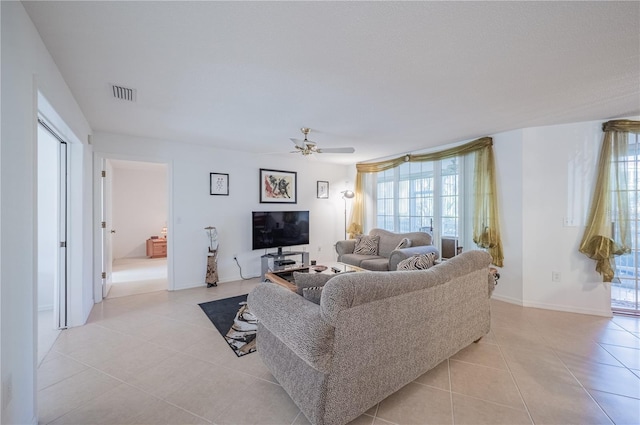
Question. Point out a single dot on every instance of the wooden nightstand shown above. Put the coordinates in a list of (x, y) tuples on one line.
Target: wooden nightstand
[(156, 248)]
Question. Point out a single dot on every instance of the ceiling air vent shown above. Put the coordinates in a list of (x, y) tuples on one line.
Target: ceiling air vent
[(123, 93)]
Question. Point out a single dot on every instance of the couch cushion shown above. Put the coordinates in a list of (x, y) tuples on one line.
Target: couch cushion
[(357, 259), (313, 293), (380, 264), (367, 245), (307, 280), (418, 262), (389, 240)]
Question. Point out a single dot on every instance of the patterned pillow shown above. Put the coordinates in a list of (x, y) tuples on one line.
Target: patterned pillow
[(313, 293), (418, 262), (306, 280), (367, 245), (404, 243)]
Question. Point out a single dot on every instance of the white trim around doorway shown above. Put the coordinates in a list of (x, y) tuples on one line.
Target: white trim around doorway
[(98, 158)]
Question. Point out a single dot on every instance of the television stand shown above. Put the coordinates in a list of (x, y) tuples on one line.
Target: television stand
[(279, 261)]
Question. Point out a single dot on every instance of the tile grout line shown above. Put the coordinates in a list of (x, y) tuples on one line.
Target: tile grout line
[(125, 383), (624, 366), (175, 352), (453, 415), (178, 352), (70, 376), (122, 381), (513, 379), (555, 353)]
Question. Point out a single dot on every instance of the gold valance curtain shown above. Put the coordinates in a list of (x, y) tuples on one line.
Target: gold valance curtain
[(486, 230), (608, 233)]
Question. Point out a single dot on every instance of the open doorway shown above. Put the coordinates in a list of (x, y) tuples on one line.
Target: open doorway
[(138, 227)]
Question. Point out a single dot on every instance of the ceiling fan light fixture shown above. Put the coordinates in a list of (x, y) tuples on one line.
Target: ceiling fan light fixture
[(307, 147)]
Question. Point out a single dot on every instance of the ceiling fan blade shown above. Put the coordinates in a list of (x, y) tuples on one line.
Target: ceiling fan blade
[(336, 150), (298, 143)]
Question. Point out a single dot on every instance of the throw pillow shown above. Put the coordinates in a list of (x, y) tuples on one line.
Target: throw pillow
[(313, 293), (306, 280), (367, 245), (404, 243), (418, 262)]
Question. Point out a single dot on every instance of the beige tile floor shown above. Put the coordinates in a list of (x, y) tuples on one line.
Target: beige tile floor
[(156, 359), (139, 275)]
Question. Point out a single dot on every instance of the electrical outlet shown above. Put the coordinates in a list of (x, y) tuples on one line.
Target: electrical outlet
[(319, 248), (556, 276)]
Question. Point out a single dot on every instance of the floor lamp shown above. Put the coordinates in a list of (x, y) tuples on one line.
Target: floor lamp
[(346, 194)]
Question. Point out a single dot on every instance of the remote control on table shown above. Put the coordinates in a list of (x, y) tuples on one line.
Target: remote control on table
[(335, 270)]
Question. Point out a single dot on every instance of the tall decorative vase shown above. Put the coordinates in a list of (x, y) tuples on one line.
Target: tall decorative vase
[(212, 268), (212, 257)]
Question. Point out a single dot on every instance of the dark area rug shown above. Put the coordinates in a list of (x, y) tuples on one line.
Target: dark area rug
[(234, 321)]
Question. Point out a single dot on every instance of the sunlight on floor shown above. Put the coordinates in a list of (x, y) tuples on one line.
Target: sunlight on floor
[(131, 276)]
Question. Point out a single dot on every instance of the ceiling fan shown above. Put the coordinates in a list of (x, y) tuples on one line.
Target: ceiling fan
[(307, 147)]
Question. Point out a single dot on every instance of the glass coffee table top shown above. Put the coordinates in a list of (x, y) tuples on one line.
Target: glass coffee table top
[(285, 277)]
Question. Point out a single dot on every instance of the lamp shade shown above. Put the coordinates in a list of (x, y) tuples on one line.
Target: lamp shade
[(348, 194)]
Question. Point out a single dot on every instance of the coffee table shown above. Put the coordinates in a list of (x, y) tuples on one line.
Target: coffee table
[(285, 277)]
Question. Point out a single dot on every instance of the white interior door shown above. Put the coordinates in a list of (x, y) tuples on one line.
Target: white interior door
[(107, 230), (52, 226), (60, 308)]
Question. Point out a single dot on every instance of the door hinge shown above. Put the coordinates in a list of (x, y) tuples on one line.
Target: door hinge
[(103, 224), (103, 173), (63, 244), (104, 275)]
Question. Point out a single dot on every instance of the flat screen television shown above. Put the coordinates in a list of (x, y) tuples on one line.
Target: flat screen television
[(277, 229)]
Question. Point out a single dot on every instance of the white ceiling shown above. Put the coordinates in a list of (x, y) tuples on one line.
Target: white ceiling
[(384, 77)]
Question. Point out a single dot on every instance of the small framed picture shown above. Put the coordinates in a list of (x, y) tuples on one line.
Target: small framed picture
[(219, 184), (278, 187), (323, 190)]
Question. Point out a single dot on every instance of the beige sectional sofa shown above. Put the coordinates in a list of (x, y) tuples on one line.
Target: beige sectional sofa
[(371, 334), (388, 256)]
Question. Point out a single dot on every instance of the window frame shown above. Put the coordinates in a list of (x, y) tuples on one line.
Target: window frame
[(627, 277), (436, 172)]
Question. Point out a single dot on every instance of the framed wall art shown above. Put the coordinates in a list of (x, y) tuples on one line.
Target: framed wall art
[(219, 184), (278, 187), (322, 190)]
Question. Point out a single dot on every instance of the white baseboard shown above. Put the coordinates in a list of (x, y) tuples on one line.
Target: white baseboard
[(195, 285), (509, 300), (200, 285), (568, 309), (554, 307)]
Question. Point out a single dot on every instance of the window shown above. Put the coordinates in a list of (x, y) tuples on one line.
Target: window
[(452, 191), (625, 291), (422, 195)]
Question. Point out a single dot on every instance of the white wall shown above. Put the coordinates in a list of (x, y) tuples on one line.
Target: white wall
[(559, 166), (192, 208), (139, 202), (545, 181), (509, 180), (26, 68)]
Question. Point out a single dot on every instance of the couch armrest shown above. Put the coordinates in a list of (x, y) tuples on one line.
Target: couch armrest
[(345, 247), (295, 321), (398, 255)]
